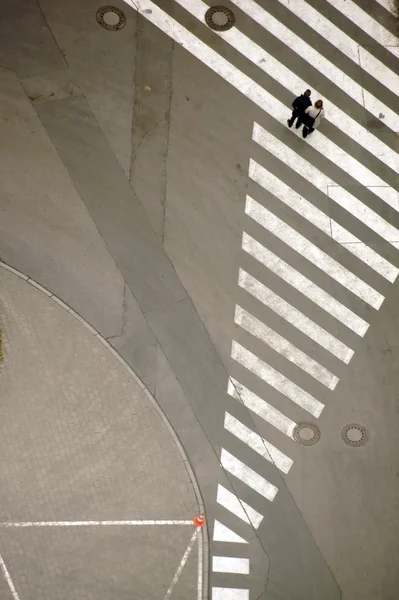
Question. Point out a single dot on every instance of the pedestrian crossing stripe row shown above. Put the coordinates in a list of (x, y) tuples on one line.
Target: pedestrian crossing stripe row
[(367, 175)]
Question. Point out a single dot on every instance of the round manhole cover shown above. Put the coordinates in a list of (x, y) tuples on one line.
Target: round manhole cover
[(219, 18), (306, 434), (111, 18), (354, 435)]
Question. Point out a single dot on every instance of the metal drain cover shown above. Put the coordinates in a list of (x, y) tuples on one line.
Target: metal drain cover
[(306, 434), (354, 435), (219, 18), (111, 18)]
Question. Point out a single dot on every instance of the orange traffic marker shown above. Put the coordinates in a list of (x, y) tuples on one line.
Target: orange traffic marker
[(199, 521)]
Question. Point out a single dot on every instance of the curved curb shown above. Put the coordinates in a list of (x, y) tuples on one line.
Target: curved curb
[(203, 530)]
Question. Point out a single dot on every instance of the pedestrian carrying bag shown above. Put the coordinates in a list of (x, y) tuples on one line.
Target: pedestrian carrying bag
[(311, 120)]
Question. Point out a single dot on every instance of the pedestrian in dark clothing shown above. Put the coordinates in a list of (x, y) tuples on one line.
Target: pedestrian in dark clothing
[(299, 106)]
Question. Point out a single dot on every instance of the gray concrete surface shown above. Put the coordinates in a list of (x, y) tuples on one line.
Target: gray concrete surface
[(81, 441), (139, 230)]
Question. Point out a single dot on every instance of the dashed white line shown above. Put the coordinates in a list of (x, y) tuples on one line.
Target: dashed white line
[(320, 220), (219, 593), (312, 253), (257, 443), (230, 564), (294, 316), (238, 507), (304, 285), (281, 345), (247, 475), (276, 380), (260, 407), (221, 533)]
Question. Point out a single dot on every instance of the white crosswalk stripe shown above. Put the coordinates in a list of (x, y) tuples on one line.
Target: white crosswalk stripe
[(367, 159), (271, 338), (390, 6), (312, 253), (294, 316), (318, 218)]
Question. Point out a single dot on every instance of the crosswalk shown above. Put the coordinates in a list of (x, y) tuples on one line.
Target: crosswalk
[(350, 256)]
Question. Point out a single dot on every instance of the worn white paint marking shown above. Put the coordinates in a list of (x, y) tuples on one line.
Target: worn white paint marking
[(7, 577), (363, 20), (322, 221), (318, 61), (294, 316), (301, 166), (312, 253), (221, 533), (276, 380), (260, 407), (200, 565), (219, 593), (343, 42), (257, 443), (247, 475), (230, 564), (238, 507), (180, 568), (281, 345), (304, 285), (293, 83), (389, 5), (91, 523)]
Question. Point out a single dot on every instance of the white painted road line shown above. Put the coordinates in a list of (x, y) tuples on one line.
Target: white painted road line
[(312, 253), (389, 5), (318, 61), (180, 568), (363, 20), (221, 533), (294, 316), (22, 524), (320, 220), (301, 166), (239, 508), (230, 564), (248, 476), (260, 407), (293, 83), (276, 380), (304, 285), (281, 345), (342, 42), (219, 593), (257, 443), (7, 577)]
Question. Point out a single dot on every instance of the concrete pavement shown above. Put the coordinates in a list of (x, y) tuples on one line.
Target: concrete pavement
[(152, 260)]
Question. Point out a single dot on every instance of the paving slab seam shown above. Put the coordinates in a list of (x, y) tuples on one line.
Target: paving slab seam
[(203, 538)]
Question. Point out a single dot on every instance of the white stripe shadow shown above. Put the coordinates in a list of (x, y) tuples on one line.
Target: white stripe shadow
[(281, 345), (238, 507), (260, 407), (312, 253), (219, 593), (257, 443), (319, 62), (363, 20), (343, 42), (301, 166), (248, 476), (304, 285), (322, 221), (294, 316), (230, 564), (292, 82), (276, 380), (221, 533)]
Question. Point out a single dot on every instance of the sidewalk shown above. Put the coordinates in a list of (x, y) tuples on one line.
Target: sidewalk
[(82, 442)]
